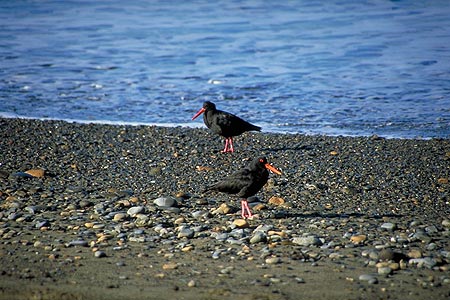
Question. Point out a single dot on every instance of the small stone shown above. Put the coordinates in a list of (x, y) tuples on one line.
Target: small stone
[(199, 214), (36, 173), (240, 223), (133, 211), (414, 253), (299, 280), (179, 221), (276, 201), (443, 180), (358, 239), (431, 229), (369, 278), (187, 248), (310, 240), (89, 224), (85, 204), (426, 262), (99, 254), (259, 207), (446, 223), (186, 232), (119, 217), (388, 226), (191, 283), (33, 209), (223, 209), (42, 224), (227, 270), (273, 260), (386, 254), (81, 243), (394, 266), (384, 270), (431, 246), (165, 202), (98, 226), (258, 237), (170, 266)]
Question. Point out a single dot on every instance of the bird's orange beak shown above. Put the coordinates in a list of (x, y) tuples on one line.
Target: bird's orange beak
[(202, 110), (273, 169)]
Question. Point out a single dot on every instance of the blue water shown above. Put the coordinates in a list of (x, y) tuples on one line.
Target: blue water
[(314, 67)]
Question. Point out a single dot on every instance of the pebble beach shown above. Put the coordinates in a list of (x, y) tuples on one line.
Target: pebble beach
[(91, 211)]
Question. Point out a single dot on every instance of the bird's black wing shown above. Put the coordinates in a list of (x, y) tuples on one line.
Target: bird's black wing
[(232, 125), (234, 183)]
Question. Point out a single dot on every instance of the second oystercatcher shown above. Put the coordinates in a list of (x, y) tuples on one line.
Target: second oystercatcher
[(224, 124), (246, 182)]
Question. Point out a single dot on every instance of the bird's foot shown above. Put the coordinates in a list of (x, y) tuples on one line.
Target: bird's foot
[(245, 210), (228, 146)]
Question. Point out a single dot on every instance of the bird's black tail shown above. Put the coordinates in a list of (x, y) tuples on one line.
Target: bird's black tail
[(255, 128)]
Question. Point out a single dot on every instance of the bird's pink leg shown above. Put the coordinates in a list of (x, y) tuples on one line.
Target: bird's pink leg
[(231, 144), (226, 146), (245, 210)]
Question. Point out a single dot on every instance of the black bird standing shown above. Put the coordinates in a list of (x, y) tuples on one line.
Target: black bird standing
[(246, 182), (224, 124)]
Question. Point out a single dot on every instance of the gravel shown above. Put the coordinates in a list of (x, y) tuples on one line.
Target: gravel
[(133, 196)]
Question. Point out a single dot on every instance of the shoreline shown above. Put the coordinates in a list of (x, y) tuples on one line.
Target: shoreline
[(197, 125), (363, 216)]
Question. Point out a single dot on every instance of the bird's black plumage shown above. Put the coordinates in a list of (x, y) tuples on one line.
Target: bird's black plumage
[(224, 124), (245, 182)]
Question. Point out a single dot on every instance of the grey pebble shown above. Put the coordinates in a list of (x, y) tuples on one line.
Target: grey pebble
[(185, 232), (99, 254), (299, 280), (388, 226), (165, 202), (369, 278), (310, 240), (222, 236), (384, 270), (258, 237), (81, 243), (273, 260), (43, 223), (200, 213), (13, 216), (133, 211), (431, 229), (426, 262), (446, 223), (34, 209)]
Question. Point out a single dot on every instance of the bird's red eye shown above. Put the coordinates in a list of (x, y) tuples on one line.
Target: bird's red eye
[(261, 160)]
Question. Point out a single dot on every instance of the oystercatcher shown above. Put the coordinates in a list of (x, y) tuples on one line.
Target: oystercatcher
[(246, 182), (224, 124)]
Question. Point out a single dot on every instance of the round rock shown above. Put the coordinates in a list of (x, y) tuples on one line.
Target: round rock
[(311, 240), (369, 278), (165, 202), (135, 210), (388, 226)]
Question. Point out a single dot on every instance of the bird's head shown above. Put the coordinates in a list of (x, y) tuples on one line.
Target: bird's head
[(207, 105), (262, 162)]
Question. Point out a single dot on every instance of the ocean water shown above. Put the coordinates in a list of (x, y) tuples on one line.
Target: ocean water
[(316, 67)]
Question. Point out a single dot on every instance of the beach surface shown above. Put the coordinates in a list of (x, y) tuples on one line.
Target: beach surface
[(90, 211)]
